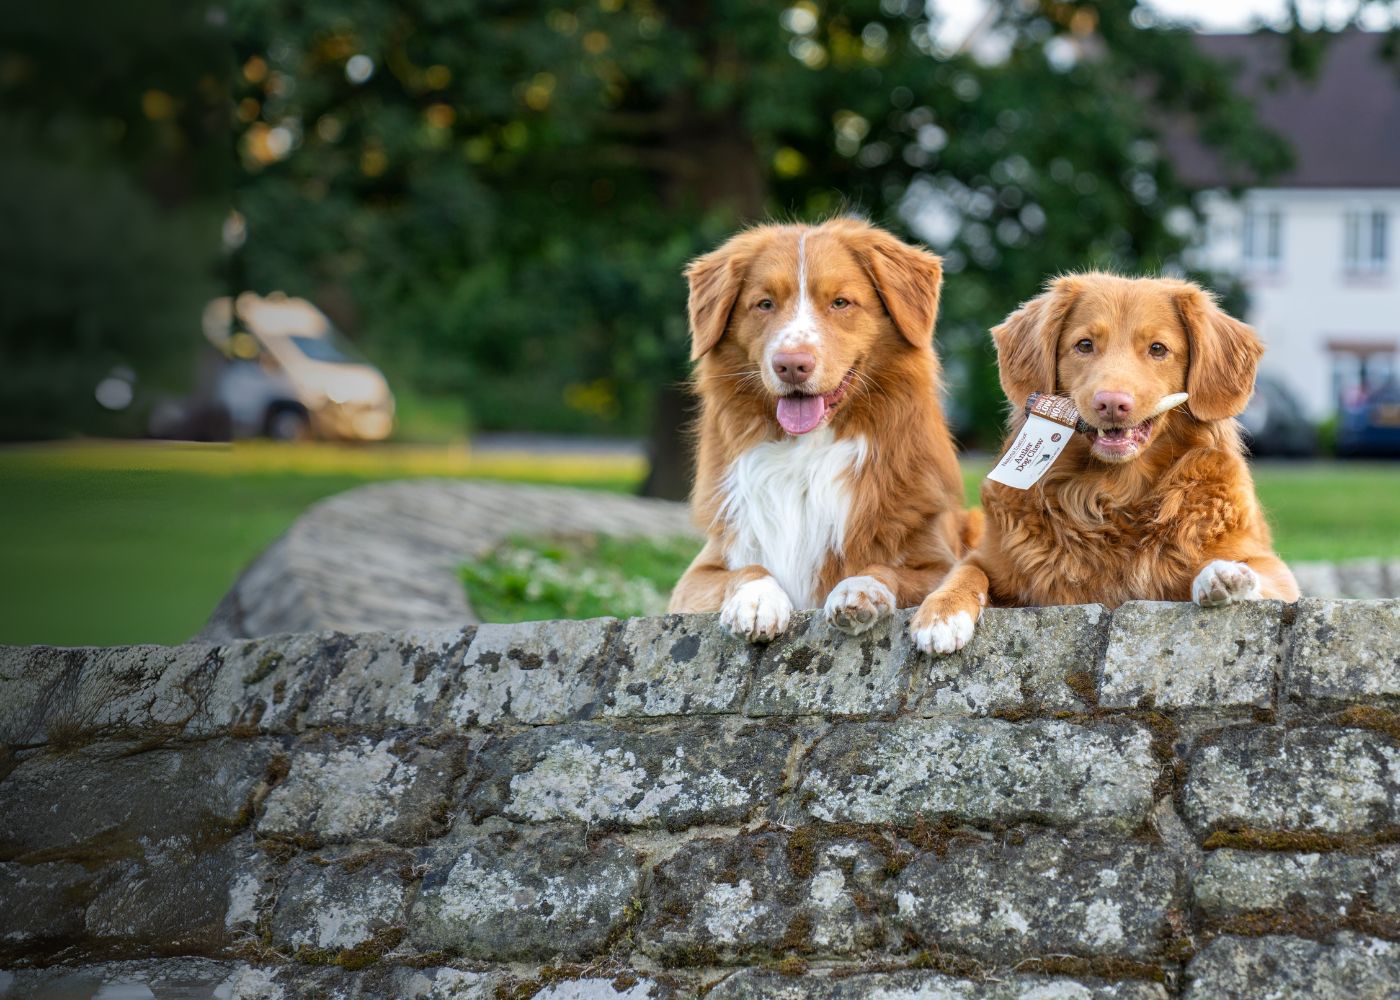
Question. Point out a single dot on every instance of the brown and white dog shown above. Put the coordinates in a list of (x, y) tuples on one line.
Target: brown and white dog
[(1141, 507), (825, 473)]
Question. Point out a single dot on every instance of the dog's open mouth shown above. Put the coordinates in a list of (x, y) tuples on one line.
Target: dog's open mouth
[(800, 413), (1116, 443)]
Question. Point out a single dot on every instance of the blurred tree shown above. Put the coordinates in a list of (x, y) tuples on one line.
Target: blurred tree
[(504, 192), (113, 185)]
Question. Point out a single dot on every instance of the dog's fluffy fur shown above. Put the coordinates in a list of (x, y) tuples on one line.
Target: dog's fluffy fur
[(1158, 511), (862, 512)]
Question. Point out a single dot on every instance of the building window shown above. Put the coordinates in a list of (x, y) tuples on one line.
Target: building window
[(1366, 241), (1263, 238)]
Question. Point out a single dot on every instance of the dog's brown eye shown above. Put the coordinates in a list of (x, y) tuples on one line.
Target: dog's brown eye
[(763, 304), (839, 303), (1158, 350), (1085, 346)]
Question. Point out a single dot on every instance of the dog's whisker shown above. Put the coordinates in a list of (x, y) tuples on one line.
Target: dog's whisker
[(743, 373), (870, 386)]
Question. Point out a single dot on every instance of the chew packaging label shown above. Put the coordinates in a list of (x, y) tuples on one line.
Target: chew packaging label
[(1050, 423)]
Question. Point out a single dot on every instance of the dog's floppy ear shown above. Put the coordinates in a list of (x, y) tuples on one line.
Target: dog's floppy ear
[(1028, 341), (1224, 356), (908, 280), (715, 279)]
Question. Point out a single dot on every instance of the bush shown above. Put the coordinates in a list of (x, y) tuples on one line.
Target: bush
[(580, 576)]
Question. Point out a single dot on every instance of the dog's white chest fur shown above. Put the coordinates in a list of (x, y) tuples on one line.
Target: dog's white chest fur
[(786, 503)]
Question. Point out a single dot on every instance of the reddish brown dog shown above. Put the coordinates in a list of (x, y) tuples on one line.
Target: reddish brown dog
[(1137, 509), (825, 474)]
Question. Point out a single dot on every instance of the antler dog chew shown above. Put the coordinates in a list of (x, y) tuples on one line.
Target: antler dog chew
[(1061, 410)]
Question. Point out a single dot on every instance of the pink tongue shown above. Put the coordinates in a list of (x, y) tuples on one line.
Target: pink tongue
[(800, 414)]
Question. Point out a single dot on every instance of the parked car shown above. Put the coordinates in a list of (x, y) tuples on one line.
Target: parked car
[(1370, 425), (1274, 424), (288, 374)]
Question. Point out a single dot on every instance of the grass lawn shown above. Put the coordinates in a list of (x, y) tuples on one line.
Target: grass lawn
[(118, 543), (115, 543), (1332, 510)]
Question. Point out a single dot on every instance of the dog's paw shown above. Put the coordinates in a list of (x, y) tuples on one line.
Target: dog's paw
[(1224, 582), (940, 627), (858, 603), (759, 611)]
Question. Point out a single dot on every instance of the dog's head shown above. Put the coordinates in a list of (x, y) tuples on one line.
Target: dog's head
[(1118, 346), (798, 312)]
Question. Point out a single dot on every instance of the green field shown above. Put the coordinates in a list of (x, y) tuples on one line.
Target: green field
[(108, 544), (116, 543), (1332, 510)]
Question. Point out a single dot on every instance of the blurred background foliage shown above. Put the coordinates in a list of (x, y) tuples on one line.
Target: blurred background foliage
[(114, 180), (495, 199), (499, 197)]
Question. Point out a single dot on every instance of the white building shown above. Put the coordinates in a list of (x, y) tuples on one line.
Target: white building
[(1319, 251)]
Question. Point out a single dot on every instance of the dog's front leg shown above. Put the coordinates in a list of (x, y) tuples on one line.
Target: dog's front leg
[(749, 601), (946, 620), (859, 603), (757, 610), (1259, 578)]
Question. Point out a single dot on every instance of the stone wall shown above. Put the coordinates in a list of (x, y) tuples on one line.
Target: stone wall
[(1155, 802)]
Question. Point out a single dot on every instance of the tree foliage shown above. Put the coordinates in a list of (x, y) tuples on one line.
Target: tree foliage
[(113, 181), (505, 201)]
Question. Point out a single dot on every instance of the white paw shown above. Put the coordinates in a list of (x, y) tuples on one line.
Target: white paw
[(945, 635), (758, 611), (1223, 582), (858, 603)]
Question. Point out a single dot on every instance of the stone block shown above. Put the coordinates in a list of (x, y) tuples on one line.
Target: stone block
[(400, 791), (41, 903), (1317, 579), (1349, 967), (389, 678), (537, 673), (982, 771), (1363, 579), (1324, 779), (175, 897), (163, 978), (679, 665), (268, 684), (181, 978), (1385, 881), (760, 895), (433, 984), (911, 984), (1232, 882), (1180, 656), (815, 669), (1345, 651), (626, 986), (508, 897), (342, 904), (1019, 660), (1048, 895), (106, 802), (50, 694), (707, 771)]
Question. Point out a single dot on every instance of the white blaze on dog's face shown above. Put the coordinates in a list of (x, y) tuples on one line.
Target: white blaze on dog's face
[(1118, 347), (803, 309)]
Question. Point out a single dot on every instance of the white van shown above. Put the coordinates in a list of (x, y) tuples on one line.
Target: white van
[(290, 374)]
